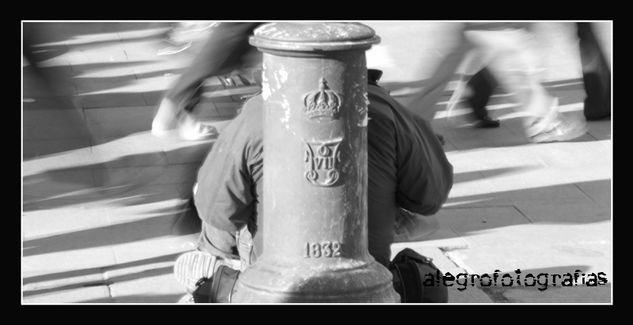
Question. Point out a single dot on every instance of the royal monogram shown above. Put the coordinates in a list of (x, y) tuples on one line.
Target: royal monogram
[(322, 103), (322, 161)]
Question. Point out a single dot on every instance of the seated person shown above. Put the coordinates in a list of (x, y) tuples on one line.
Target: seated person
[(409, 178)]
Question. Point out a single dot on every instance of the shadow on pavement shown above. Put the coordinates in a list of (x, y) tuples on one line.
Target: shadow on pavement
[(183, 219), (138, 299), (128, 180), (85, 272)]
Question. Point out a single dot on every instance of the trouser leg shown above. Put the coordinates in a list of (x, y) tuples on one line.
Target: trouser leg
[(596, 74), (482, 84), (233, 246), (226, 45), (218, 242)]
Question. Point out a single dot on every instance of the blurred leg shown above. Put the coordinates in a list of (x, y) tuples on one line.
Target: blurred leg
[(482, 84), (596, 74), (226, 46), (424, 103), (54, 92), (515, 63)]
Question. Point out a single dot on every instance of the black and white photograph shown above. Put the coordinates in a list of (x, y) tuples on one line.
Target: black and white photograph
[(424, 162)]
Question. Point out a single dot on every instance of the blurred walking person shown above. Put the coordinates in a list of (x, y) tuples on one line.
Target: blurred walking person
[(226, 49)]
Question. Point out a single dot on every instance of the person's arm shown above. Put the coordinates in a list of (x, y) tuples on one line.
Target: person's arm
[(425, 176), (226, 186)]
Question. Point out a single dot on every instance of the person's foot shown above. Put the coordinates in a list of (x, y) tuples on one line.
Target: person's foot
[(553, 127), (414, 227), (170, 117), (191, 268), (560, 130), (486, 123), (191, 130)]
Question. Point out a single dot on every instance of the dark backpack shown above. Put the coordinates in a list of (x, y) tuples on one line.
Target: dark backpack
[(410, 272)]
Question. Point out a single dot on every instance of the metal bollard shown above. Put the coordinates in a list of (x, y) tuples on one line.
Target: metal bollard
[(315, 172)]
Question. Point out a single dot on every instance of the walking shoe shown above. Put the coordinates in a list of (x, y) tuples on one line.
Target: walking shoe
[(170, 119), (560, 130), (413, 227), (486, 122), (193, 268), (191, 130), (553, 127)]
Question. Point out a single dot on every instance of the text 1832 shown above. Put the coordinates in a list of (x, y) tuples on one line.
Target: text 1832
[(322, 249)]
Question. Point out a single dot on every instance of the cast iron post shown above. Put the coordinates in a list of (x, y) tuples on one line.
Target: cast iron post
[(315, 172)]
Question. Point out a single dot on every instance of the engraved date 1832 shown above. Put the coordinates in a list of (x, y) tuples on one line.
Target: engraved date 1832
[(322, 249)]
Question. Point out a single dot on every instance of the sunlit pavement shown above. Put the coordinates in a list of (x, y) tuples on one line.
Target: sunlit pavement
[(102, 223)]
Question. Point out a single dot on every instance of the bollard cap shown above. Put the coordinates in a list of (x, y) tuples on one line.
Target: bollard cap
[(313, 36)]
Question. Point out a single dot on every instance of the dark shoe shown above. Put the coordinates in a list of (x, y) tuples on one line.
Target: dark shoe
[(487, 123)]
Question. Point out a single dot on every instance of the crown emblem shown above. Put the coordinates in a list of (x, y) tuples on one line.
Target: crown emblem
[(322, 103)]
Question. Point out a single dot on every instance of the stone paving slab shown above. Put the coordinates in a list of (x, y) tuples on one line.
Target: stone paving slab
[(60, 220), (53, 124), (57, 183), (572, 211), (103, 100), (145, 290), (43, 155), (56, 254), (560, 295), (86, 84), (94, 294), (33, 87), (513, 196), (549, 246), (170, 243), (598, 191), (60, 281), (444, 238), (106, 122), (465, 221)]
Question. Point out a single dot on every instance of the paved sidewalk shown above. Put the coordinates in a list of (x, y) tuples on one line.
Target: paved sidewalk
[(536, 208)]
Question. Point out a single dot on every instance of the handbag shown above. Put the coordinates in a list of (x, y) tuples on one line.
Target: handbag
[(411, 272)]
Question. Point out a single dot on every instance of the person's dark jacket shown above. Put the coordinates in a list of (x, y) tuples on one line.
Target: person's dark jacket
[(407, 168)]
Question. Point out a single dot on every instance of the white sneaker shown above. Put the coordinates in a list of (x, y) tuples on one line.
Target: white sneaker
[(192, 267), (553, 127), (192, 130)]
